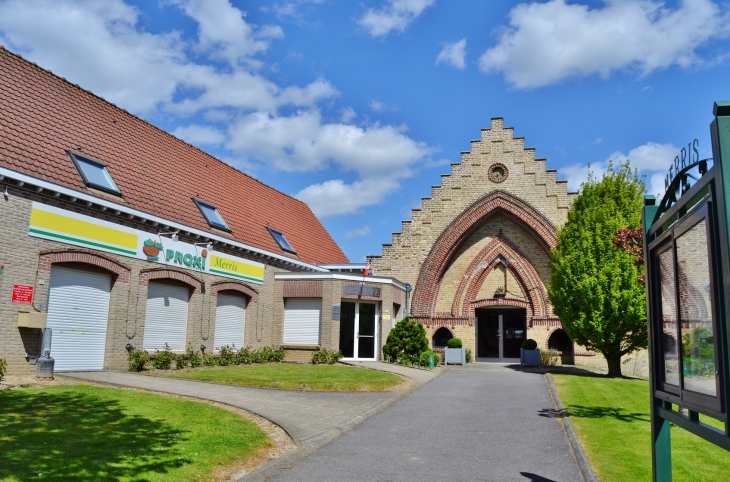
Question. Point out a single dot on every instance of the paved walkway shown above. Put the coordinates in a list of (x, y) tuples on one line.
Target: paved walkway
[(304, 415), (480, 422)]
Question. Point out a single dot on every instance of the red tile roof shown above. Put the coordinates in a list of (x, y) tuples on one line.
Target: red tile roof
[(42, 116)]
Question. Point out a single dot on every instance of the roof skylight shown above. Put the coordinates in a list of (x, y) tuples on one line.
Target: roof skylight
[(94, 173), (212, 215), (281, 240)]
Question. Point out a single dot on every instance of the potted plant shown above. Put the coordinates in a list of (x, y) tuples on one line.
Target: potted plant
[(529, 354), (454, 352)]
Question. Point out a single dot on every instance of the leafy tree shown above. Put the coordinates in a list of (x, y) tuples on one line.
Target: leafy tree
[(407, 338), (593, 288)]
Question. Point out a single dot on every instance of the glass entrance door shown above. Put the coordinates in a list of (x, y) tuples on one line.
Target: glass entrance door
[(358, 330), (500, 333)]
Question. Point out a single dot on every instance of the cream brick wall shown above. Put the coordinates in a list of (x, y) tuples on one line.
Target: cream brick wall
[(468, 182), (19, 254)]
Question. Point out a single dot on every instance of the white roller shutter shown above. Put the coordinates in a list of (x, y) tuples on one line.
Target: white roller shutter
[(301, 321), (78, 312), (230, 320), (166, 319)]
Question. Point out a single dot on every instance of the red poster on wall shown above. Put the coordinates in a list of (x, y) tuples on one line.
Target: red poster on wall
[(22, 294)]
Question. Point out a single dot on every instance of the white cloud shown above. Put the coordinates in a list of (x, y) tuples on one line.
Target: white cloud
[(396, 15), (356, 233), (302, 142), (381, 155), (348, 113), (548, 42), (293, 8), (223, 32), (100, 46), (454, 54), (200, 135), (103, 47), (336, 198), (651, 159), (378, 106)]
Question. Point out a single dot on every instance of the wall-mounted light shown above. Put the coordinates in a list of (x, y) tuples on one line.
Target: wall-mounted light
[(174, 234), (6, 193), (202, 349), (129, 347), (208, 246)]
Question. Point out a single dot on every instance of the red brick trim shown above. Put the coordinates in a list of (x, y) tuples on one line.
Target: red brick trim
[(547, 321), (523, 271), (49, 257), (550, 332), (302, 289), (247, 291), (460, 229), (146, 275)]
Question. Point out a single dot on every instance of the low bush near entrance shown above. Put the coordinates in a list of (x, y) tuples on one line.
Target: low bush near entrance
[(406, 339), (454, 343), (3, 367), (326, 357), (74, 433), (137, 359), (529, 344), (166, 359), (611, 419), (549, 357)]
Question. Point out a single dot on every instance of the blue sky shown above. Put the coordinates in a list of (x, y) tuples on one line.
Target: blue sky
[(357, 108)]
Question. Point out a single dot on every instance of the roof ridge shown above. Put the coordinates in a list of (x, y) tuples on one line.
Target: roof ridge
[(125, 111)]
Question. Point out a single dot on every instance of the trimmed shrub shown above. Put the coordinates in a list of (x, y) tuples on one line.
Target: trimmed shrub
[(468, 355), (244, 356), (268, 354), (181, 361), (194, 357), (529, 344), (137, 359), (406, 341), (3, 368), (227, 356), (454, 343), (326, 357), (210, 361), (163, 359), (549, 357), (423, 359)]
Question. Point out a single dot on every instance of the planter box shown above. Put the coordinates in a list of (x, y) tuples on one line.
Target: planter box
[(455, 355), (529, 357)]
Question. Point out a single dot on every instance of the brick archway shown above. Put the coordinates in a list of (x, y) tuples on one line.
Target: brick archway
[(50, 257), (434, 266), (146, 275), (248, 292), (497, 251)]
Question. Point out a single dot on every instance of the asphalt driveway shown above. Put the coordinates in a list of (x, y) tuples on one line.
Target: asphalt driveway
[(482, 422)]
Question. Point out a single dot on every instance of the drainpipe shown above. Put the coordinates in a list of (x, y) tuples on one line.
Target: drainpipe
[(408, 292)]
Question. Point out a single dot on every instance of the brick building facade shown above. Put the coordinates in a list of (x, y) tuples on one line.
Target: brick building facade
[(115, 234), (477, 251)]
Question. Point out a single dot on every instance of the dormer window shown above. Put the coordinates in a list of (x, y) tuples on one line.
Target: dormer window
[(211, 214), (94, 173), (281, 240)]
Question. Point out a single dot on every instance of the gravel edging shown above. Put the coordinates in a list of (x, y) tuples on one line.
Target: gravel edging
[(586, 470), (308, 447)]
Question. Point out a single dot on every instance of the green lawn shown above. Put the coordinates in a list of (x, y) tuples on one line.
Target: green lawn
[(294, 376), (81, 432), (611, 418)]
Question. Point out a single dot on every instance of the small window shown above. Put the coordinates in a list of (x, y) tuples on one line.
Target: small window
[(281, 240), (94, 173), (212, 215)]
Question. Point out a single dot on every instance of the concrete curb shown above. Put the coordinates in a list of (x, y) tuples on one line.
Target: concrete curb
[(586, 470), (309, 446)]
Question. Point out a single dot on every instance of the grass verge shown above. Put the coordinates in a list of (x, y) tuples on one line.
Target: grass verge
[(292, 376), (81, 432), (611, 419)]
